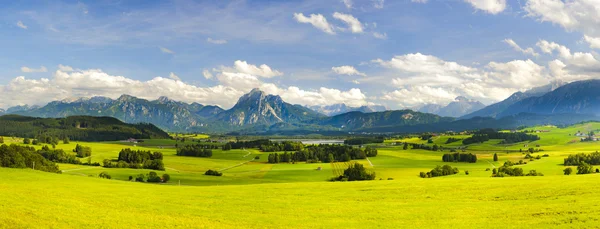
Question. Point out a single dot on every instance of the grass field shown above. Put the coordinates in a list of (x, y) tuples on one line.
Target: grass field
[(254, 194)]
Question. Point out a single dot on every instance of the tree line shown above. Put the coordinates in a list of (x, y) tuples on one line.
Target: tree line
[(355, 172), (363, 140), (459, 157), (137, 159), (14, 156), (194, 151), (577, 159), (487, 134), (80, 128), (438, 171), (324, 153)]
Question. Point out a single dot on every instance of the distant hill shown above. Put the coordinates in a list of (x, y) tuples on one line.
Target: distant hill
[(340, 108), (164, 112), (459, 107), (357, 120), (82, 128), (581, 97), (499, 107)]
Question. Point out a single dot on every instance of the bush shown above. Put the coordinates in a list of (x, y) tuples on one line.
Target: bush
[(34, 142), (140, 178), (257, 158), (130, 178), (584, 168), (466, 172), (166, 178), (82, 151), (26, 141), (356, 172), (213, 173), (104, 175), (1, 140), (153, 178), (568, 171)]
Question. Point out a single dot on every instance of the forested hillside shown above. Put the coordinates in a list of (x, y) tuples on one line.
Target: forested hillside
[(81, 128)]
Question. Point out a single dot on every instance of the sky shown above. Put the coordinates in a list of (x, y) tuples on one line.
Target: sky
[(396, 53)]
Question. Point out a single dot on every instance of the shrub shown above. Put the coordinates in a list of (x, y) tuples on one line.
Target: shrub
[(495, 157), (130, 178), (1, 140), (82, 151), (466, 172), (34, 142), (213, 173), (104, 175), (584, 168), (257, 158), (26, 141), (568, 171), (153, 178), (356, 172), (166, 178), (445, 170), (140, 178)]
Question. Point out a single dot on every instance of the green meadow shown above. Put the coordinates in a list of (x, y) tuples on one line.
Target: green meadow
[(255, 194)]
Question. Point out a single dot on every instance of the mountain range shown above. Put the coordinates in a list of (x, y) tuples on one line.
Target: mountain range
[(459, 107), (261, 113), (340, 108)]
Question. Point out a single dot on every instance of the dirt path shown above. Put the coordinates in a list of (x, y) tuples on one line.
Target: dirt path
[(370, 162), (491, 163), (248, 153), (231, 167)]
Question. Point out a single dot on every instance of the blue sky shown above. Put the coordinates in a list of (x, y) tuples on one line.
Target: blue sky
[(403, 53)]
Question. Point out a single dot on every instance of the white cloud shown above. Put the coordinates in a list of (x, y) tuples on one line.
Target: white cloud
[(515, 46), (262, 70), (21, 25), (207, 74), (351, 21), (593, 41), (419, 1), (174, 77), (317, 20), (580, 15), (30, 70), (579, 59), (378, 4), (166, 50), (216, 41), (419, 95), (347, 3), (419, 63), (324, 96), (65, 68), (489, 6), (382, 36), (239, 81), (355, 82), (347, 70)]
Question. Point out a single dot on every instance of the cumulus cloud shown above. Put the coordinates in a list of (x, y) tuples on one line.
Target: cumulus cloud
[(580, 15), (317, 20), (21, 25), (207, 74), (489, 6), (516, 47), (347, 70), (31, 70), (418, 95), (419, 63), (593, 41), (354, 24), (262, 70), (166, 50), (174, 77), (65, 68), (579, 59), (216, 41)]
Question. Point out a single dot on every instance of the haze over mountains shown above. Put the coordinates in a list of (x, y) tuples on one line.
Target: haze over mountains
[(459, 107), (258, 112)]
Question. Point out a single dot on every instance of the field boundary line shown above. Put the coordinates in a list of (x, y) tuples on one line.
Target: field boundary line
[(69, 170), (370, 162), (231, 167)]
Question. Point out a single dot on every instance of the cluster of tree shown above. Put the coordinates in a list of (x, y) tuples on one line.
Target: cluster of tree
[(445, 170), (104, 175), (281, 146), (58, 156), (532, 158), (507, 171), (194, 151), (152, 177), (247, 144), (137, 159), (435, 147), (459, 157), (510, 163), (211, 172), (577, 159), (207, 146), (426, 136), (585, 168), (451, 140), (363, 140), (355, 172), (487, 134), (81, 128), (15, 156), (324, 153), (82, 151)]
